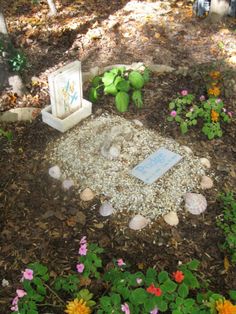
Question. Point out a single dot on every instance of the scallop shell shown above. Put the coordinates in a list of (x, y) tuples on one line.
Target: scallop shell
[(206, 183), (195, 203), (205, 162), (87, 195), (55, 172), (171, 219), (138, 222), (106, 209), (67, 184)]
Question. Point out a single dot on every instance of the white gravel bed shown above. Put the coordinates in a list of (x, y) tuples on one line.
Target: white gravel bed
[(78, 153)]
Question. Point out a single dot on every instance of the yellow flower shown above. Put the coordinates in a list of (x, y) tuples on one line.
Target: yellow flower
[(77, 307), (214, 75), (225, 307), (214, 116), (215, 91)]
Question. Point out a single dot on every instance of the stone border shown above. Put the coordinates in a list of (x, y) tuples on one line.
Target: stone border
[(30, 113)]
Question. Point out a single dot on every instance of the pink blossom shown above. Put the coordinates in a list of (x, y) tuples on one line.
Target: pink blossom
[(80, 268), (173, 113), (154, 311), (218, 100), (125, 308), (230, 114), (83, 240), (83, 249), (28, 274), (224, 109), (139, 280), (120, 262), (14, 308), (202, 98), (20, 293), (14, 303), (184, 92)]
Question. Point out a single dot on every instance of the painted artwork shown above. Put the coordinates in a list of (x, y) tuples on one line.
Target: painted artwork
[(65, 87)]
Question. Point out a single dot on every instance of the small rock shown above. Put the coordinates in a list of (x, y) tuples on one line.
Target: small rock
[(55, 172), (114, 151), (80, 218), (160, 68), (106, 209), (137, 122), (171, 219), (195, 203), (99, 225), (187, 149), (67, 184), (205, 162), (5, 283), (206, 183), (87, 195), (138, 222)]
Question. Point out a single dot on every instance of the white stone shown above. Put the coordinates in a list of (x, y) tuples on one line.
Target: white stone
[(187, 149), (55, 172), (160, 68), (138, 222), (206, 183), (171, 219), (87, 195), (67, 184), (20, 114), (65, 124), (195, 203), (106, 209), (138, 123), (5, 283), (205, 162)]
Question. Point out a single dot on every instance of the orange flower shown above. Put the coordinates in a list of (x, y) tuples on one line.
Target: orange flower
[(225, 307), (214, 75), (214, 116), (215, 91), (153, 290), (77, 307), (178, 276)]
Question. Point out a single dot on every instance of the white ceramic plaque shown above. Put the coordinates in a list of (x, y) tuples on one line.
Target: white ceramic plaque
[(65, 87), (154, 166)]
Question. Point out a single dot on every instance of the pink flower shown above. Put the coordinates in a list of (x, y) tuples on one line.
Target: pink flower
[(230, 114), (173, 113), (14, 303), (83, 249), (154, 311), (218, 100), (14, 308), (83, 240), (15, 300), (20, 293), (184, 92), (139, 280), (120, 262), (80, 268), (224, 109), (125, 308), (28, 274), (202, 98)]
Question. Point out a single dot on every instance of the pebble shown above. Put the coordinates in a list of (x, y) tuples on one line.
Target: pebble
[(87, 195), (187, 149), (55, 172), (171, 219), (206, 183), (67, 184), (205, 162), (106, 209), (137, 122), (138, 222), (195, 203)]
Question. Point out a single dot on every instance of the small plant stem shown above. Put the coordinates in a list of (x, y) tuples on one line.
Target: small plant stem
[(56, 295)]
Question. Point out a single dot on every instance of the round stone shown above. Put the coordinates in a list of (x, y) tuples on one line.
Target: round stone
[(67, 184), (205, 162), (171, 219), (187, 149), (106, 209), (87, 195), (55, 172), (206, 183)]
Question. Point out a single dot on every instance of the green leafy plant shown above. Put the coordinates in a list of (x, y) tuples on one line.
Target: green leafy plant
[(227, 223), (7, 134), (17, 61), (122, 84)]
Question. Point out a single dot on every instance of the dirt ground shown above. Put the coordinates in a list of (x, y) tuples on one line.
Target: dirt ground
[(39, 221)]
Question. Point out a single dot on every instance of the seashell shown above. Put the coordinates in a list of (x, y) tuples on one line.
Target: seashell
[(138, 222), (55, 172), (87, 195), (171, 219), (67, 184), (187, 149), (106, 209), (205, 162), (195, 203), (206, 183)]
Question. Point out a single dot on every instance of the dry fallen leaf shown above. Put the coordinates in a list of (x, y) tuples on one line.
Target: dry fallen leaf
[(226, 264)]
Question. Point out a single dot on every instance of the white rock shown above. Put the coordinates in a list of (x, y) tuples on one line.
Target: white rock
[(106, 209), (205, 162), (114, 151), (138, 222), (187, 149), (206, 183), (55, 172), (171, 219), (137, 122), (160, 68), (5, 283), (87, 195), (195, 203), (67, 184)]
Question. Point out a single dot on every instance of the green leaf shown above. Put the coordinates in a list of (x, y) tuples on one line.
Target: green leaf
[(178, 119), (110, 89), (171, 105), (96, 81), (137, 98), (108, 78), (136, 79), (93, 95), (184, 127), (163, 276), (122, 101), (146, 75), (194, 122), (123, 85), (161, 304), (170, 119), (232, 294), (183, 290), (169, 286), (193, 265)]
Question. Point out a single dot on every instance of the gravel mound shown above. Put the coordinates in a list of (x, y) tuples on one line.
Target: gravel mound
[(78, 153)]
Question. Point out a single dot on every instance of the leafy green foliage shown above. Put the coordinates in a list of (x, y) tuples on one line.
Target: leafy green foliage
[(68, 283), (121, 84), (17, 61), (7, 134), (227, 223), (92, 261)]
